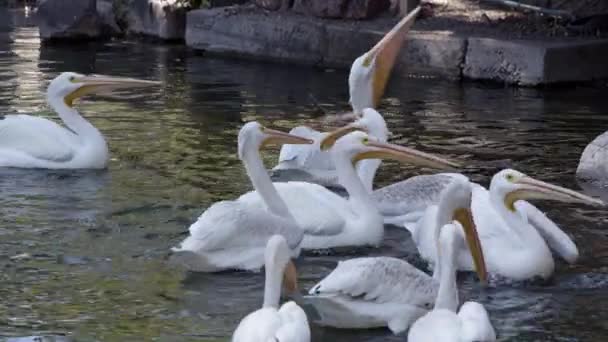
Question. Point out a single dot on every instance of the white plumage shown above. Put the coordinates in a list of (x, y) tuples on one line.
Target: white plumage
[(271, 323), (233, 234), (388, 292), (33, 142), (516, 236)]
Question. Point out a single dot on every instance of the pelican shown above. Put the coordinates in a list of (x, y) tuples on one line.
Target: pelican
[(32, 142), (329, 220), (271, 323), (515, 235), (233, 234), (443, 324), (399, 202), (389, 292), (367, 81)]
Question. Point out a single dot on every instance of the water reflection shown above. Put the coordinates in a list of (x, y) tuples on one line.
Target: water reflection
[(83, 253)]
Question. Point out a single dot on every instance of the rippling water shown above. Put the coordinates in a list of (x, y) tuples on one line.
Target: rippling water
[(83, 253)]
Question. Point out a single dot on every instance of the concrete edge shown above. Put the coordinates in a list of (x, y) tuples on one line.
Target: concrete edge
[(291, 39)]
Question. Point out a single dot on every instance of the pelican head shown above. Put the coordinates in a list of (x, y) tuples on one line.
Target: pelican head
[(361, 82), (254, 135), (359, 146), (369, 121), (70, 86), (370, 72), (514, 185), (455, 205), (277, 256)]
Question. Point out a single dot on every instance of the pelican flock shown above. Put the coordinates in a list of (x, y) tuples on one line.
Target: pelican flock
[(455, 224)]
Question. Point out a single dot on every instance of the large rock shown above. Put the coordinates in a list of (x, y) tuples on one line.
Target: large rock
[(532, 63), (321, 8), (68, 19), (164, 19), (279, 36), (291, 38), (593, 165)]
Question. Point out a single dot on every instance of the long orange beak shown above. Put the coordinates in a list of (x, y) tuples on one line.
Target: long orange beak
[(386, 52)]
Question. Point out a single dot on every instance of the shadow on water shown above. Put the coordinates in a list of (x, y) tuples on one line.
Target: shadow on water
[(82, 253)]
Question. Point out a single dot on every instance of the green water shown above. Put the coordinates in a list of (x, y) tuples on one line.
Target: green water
[(83, 254)]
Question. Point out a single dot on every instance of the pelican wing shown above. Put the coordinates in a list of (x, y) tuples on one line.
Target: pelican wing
[(437, 326), (294, 327), (300, 153), (306, 157), (557, 240), (412, 194), (317, 210), (233, 224), (258, 326), (380, 280), (37, 137)]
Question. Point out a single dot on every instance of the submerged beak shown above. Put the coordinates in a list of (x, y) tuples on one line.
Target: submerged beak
[(290, 279), (403, 154), (533, 188), (385, 52), (331, 138), (274, 137), (93, 84), (465, 218)]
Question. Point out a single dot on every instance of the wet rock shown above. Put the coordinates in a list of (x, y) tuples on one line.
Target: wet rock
[(274, 5), (109, 26), (593, 165), (68, 19), (363, 9), (164, 19), (321, 8)]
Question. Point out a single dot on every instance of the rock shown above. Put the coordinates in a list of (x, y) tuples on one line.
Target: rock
[(68, 19), (266, 37), (164, 19), (302, 40), (593, 165), (274, 5), (364, 9), (109, 26), (531, 63), (321, 8)]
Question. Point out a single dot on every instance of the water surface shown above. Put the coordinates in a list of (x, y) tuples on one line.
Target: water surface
[(82, 253)]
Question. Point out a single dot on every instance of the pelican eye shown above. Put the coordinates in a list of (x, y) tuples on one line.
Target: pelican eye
[(510, 177), (367, 61), (72, 79), (365, 141)]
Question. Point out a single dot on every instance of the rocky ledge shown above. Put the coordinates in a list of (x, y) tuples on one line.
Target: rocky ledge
[(248, 32), (96, 19)]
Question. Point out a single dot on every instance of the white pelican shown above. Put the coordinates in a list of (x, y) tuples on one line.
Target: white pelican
[(367, 80), (271, 323), (443, 324), (389, 292), (515, 235), (233, 234), (33, 142), (401, 201), (329, 220)]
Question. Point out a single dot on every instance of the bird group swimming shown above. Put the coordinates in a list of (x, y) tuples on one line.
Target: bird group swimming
[(456, 225)]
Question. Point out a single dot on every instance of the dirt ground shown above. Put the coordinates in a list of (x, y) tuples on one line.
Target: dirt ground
[(474, 17), (477, 18)]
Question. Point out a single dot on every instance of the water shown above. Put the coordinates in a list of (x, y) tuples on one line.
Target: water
[(83, 254)]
